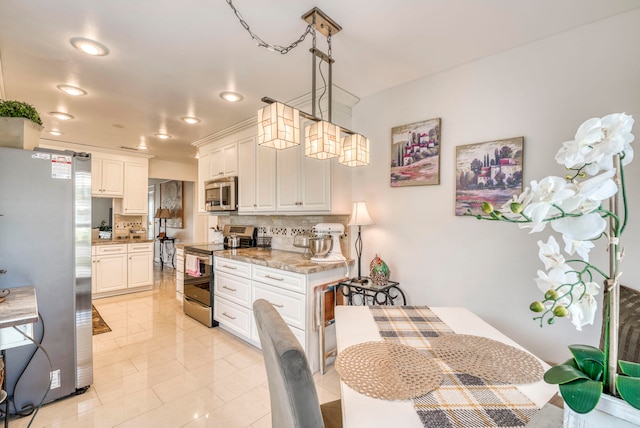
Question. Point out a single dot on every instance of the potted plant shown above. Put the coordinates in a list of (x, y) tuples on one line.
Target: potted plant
[(20, 125), (573, 207)]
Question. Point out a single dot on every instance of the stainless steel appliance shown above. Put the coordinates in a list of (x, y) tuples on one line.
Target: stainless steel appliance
[(45, 241), (198, 282), (239, 236), (198, 272), (221, 194)]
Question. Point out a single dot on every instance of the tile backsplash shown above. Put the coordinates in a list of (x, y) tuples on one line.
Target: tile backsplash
[(124, 223), (282, 229)]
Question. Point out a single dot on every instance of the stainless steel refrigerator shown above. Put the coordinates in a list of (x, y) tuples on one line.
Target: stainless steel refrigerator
[(45, 241)]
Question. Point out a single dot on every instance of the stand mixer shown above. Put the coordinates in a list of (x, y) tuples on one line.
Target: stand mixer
[(335, 230)]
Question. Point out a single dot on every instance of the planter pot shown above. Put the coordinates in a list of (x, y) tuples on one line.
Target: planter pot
[(609, 413), (19, 133)]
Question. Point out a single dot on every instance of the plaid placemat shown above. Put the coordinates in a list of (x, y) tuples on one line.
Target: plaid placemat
[(461, 400)]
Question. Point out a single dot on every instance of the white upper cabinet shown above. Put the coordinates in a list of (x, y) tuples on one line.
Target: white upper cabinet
[(107, 178), (136, 195), (256, 177), (223, 162), (303, 184), (203, 175)]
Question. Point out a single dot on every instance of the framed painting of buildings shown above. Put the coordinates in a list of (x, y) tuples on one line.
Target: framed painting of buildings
[(490, 171), (415, 154), (171, 198)]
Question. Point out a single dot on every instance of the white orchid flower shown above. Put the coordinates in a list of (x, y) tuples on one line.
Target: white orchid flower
[(544, 194), (583, 312), (571, 246), (552, 280), (572, 153), (590, 193), (550, 254), (581, 228), (523, 199)]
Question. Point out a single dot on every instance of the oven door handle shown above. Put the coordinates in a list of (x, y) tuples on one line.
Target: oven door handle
[(205, 259), (195, 302)]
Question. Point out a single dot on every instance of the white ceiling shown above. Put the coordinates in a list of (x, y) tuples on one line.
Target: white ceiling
[(170, 58)]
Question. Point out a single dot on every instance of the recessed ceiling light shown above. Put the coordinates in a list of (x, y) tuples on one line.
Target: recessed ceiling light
[(163, 136), (72, 90), (190, 120), (55, 132), (60, 115), (89, 47), (232, 97)]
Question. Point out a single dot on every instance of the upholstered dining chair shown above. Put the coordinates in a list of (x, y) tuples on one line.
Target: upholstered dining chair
[(294, 399)]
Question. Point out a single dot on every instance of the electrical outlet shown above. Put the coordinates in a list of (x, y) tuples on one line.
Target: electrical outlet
[(55, 379)]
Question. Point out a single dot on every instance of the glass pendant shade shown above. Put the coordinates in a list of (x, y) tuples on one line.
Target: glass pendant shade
[(322, 140), (278, 126), (355, 151)]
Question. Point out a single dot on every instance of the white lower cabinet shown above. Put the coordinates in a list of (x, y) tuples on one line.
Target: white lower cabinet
[(179, 273), (140, 266), (121, 268), (238, 284)]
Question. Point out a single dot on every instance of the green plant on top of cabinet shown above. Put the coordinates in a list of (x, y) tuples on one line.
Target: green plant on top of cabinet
[(107, 177)]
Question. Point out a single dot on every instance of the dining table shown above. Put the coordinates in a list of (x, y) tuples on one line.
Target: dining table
[(356, 325)]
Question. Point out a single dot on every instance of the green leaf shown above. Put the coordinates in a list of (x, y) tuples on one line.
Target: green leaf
[(563, 373), (586, 353), (629, 368), (581, 395), (629, 389)]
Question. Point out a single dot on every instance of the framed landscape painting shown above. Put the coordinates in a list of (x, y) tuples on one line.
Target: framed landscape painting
[(490, 171), (415, 154)]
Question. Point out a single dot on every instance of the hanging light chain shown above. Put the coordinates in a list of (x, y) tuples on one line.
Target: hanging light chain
[(261, 43)]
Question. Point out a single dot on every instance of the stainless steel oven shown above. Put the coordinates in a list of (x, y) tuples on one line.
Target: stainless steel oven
[(198, 283), (221, 194)]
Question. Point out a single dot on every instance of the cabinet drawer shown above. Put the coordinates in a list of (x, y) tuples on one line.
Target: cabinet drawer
[(111, 249), (290, 305), (180, 263), (280, 278), (233, 267), (233, 288), (142, 247), (180, 276), (232, 316)]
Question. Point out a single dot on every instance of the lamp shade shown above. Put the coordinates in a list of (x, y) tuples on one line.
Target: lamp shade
[(354, 151), (322, 140), (359, 215), (278, 126), (162, 213)]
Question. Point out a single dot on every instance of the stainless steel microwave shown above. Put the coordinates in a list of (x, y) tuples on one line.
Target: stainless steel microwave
[(221, 194)]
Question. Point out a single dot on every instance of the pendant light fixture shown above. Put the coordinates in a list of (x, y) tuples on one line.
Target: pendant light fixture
[(279, 123)]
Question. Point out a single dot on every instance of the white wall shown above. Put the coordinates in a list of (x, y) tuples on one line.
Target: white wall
[(542, 91)]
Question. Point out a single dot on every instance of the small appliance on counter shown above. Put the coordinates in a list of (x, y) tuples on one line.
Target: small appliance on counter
[(239, 236), (321, 248), (137, 234)]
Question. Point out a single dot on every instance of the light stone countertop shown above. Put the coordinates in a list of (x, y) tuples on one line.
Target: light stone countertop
[(19, 307), (280, 259), (119, 241)]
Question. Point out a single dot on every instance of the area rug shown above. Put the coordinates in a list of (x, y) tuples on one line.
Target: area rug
[(99, 326)]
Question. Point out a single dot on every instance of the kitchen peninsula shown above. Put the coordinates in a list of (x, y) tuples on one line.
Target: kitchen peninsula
[(284, 278)]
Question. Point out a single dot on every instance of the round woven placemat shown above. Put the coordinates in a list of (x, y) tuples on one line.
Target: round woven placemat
[(389, 371), (486, 358)]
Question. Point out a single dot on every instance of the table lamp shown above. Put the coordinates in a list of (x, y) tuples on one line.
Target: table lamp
[(163, 213), (359, 217)]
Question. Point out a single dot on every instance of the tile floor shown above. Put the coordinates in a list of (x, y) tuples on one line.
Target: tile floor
[(160, 368)]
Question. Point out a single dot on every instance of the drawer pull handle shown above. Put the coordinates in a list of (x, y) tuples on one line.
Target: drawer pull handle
[(228, 316), (274, 277), (229, 288), (276, 305), (230, 267)]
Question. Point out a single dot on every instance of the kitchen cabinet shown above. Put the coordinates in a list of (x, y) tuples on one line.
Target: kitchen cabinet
[(136, 193), (140, 264), (111, 268), (203, 176), (179, 273), (237, 284), (256, 177), (303, 183), (107, 178), (223, 162), (121, 268)]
